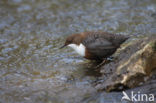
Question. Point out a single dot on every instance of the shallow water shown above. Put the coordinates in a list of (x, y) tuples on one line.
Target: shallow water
[(34, 70)]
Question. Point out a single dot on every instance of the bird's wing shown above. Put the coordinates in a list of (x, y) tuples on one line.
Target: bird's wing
[(98, 46)]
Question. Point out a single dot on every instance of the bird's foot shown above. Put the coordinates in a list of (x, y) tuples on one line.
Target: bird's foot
[(110, 58)]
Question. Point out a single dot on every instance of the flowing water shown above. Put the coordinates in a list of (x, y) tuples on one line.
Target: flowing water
[(34, 70)]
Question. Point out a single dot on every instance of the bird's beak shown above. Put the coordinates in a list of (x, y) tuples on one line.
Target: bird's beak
[(62, 46)]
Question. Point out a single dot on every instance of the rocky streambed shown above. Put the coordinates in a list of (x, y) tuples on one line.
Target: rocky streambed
[(34, 70)]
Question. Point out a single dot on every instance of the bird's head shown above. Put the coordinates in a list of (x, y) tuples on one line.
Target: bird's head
[(70, 40)]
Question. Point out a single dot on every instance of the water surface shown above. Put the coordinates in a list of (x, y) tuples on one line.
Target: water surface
[(34, 70)]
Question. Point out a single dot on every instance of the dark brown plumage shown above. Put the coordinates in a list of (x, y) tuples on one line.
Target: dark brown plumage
[(98, 45)]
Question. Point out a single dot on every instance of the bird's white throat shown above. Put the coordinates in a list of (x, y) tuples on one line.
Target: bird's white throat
[(80, 49)]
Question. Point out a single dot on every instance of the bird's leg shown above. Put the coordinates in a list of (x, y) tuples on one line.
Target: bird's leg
[(104, 61), (99, 65)]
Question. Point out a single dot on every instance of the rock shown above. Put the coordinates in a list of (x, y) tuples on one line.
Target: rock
[(134, 64)]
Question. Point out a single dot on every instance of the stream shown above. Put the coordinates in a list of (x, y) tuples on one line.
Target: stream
[(32, 67)]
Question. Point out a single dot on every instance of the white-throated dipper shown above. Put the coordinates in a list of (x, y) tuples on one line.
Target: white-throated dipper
[(95, 45)]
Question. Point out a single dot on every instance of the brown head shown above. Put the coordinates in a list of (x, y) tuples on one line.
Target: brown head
[(72, 39)]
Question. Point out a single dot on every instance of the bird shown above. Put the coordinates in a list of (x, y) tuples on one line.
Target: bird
[(95, 45)]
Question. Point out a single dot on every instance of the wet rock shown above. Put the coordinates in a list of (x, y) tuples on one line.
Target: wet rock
[(134, 64)]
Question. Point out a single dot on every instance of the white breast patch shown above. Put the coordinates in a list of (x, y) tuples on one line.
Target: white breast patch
[(80, 49)]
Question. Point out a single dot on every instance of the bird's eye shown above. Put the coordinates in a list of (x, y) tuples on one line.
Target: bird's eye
[(69, 41)]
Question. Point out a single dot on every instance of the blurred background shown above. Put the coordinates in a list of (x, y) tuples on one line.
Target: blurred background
[(34, 70)]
